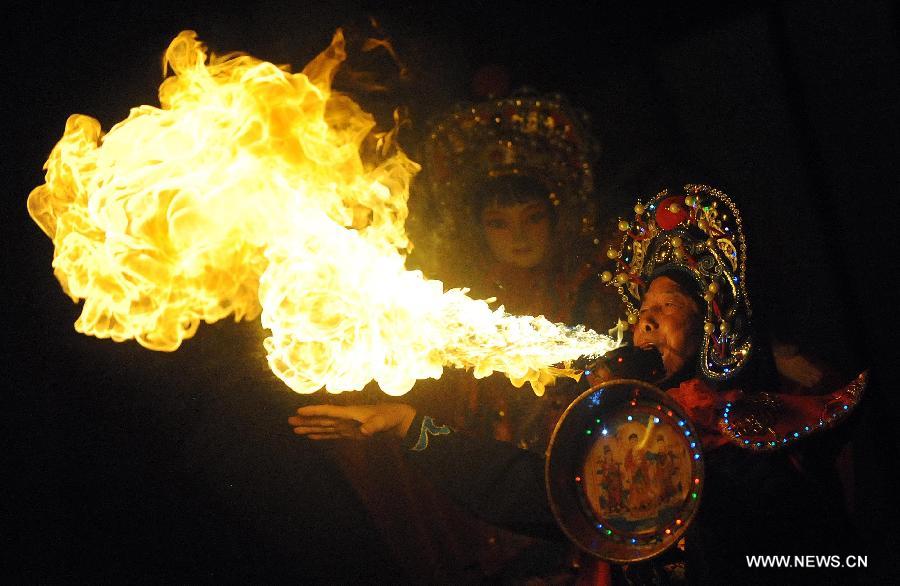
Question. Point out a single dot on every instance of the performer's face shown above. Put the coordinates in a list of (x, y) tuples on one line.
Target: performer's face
[(669, 320), (518, 234)]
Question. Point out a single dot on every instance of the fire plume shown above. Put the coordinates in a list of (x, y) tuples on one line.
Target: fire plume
[(245, 194)]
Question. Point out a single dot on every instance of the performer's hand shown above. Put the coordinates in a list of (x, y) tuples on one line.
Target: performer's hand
[(320, 422)]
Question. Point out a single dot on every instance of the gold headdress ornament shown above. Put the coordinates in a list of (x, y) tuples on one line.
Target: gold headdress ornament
[(542, 137), (700, 234)]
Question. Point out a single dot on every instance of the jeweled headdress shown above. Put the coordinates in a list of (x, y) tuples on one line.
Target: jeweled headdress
[(700, 234), (542, 137)]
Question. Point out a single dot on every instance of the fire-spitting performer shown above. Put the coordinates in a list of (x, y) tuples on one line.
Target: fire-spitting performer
[(770, 484)]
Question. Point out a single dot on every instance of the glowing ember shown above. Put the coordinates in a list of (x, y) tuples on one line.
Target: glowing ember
[(246, 193)]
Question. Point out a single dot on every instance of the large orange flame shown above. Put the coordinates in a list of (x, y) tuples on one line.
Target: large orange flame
[(245, 194)]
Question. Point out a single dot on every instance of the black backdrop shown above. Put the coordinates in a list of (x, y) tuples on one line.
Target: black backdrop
[(119, 459)]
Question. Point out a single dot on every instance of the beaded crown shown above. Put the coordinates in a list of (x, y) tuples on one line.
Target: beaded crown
[(539, 136), (699, 233)]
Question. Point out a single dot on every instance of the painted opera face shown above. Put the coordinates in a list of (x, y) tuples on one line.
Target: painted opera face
[(518, 234)]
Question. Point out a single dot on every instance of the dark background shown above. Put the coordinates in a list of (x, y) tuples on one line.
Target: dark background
[(124, 464)]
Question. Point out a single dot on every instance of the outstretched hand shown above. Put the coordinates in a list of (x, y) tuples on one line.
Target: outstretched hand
[(323, 422)]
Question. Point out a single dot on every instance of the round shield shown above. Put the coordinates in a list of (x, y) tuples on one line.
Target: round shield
[(624, 471)]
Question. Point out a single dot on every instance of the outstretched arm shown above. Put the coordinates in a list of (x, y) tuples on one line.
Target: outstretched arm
[(496, 481)]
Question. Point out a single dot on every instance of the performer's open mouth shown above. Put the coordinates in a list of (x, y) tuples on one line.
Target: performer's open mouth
[(651, 346)]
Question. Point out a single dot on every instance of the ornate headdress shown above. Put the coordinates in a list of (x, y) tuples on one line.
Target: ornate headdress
[(700, 234), (541, 137)]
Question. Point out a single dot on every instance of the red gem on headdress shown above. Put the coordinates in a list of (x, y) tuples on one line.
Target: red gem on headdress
[(670, 212)]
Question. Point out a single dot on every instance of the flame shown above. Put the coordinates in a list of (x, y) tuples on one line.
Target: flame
[(246, 194)]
